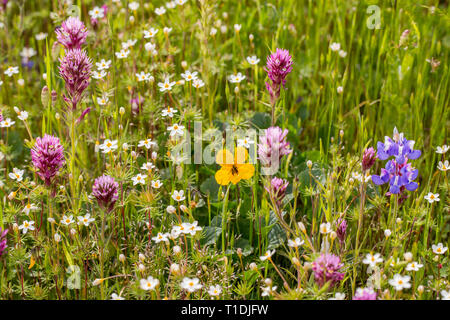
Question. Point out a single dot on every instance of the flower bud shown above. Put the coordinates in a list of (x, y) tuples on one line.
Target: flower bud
[(54, 96), (45, 95), (253, 266), (122, 258), (295, 261), (184, 64), (171, 209), (175, 269), (408, 256), (141, 267), (97, 282), (420, 289), (268, 281), (309, 164), (176, 249), (302, 227), (121, 111), (387, 233)]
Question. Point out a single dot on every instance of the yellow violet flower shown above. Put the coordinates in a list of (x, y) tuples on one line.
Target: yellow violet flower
[(233, 169)]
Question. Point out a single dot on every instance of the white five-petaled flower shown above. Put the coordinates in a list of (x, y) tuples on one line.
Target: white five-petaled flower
[(29, 207), (160, 237), (180, 2), (22, 115), (189, 76), (97, 13), (150, 33), (156, 184), (27, 53), (268, 291), (128, 44), (122, 54), (198, 83), (432, 197), (246, 142), (11, 70), (190, 285), (267, 255), (167, 30), (168, 112), (86, 220), (413, 266), (140, 178), (143, 76), (443, 149), (297, 242), (149, 284), (253, 60), (439, 248), (147, 166), (372, 259), (400, 282), (325, 228), (67, 220), (7, 123), (103, 64), (17, 174), (166, 85), (102, 100), (108, 146), (176, 129), (335, 46), (26, 225), (98, 75), (236, 78), (160, 11), (443, 166), (192, 228), (178, 195), (133, 5), (148, 143), (215, 290)]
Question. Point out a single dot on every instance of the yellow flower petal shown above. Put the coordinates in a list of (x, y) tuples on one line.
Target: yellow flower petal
[(224, 157), (223, 176), (246, 171)]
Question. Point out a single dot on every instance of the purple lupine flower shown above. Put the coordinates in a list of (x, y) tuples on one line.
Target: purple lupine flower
[(48, 157), (72, 33), (365, 294), (75, 68), (326, 268), (399, 175), (273, 146), (105, 191), (3, 244), (398, 147), (341, 229), (277, 189), (368, 159), (279, 65), (398, 172)]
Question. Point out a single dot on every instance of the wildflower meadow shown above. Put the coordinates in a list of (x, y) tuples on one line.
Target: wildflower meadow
[(224, 150)]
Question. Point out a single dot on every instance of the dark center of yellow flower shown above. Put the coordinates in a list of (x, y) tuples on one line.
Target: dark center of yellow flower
[(234, 170)]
